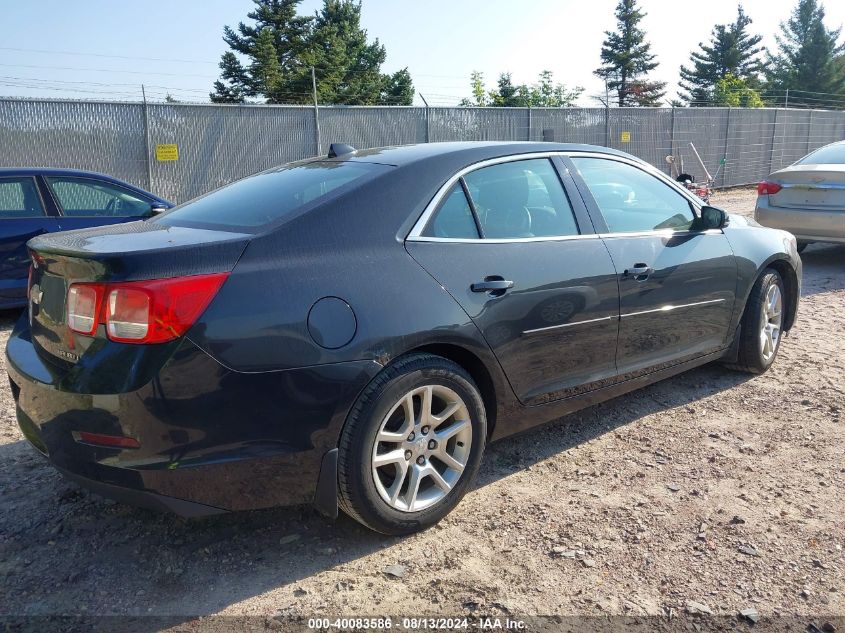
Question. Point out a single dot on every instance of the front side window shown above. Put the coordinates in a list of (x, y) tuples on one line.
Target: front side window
[(513, 200), (19, 199), (85, 197), (631, 199)]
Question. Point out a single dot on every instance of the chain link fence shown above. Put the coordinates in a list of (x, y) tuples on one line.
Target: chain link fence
[(216, 144)]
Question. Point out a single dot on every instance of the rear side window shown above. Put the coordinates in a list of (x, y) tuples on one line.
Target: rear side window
[(512, 200), (522, 198), (453, 218), (86, 197), (271, 195), (19, 198), (830, 155)]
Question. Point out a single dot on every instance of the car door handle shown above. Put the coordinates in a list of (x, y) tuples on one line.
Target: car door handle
[(640, 272), (494, 285)]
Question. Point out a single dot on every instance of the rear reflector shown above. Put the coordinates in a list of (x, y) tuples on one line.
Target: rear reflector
[(98, 439), (152, 311), (766, 188)]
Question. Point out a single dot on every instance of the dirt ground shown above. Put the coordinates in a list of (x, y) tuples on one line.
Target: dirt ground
[(711, 487)]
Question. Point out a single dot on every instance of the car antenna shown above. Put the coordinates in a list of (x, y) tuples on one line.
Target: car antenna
[(340, 149)]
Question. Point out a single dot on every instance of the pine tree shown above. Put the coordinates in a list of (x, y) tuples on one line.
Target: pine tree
[(398, 89), (289, 35), (626, 59), (732, 50), (507, 95), (808, 60), (281, 48)]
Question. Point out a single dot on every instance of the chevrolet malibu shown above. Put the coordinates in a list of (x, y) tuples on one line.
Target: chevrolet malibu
[(352, 330)]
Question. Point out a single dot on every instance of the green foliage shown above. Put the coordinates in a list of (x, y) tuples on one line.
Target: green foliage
[(808, 61), (627, 58), (281, 47), (543, 94), (732, 49), (735, 92)]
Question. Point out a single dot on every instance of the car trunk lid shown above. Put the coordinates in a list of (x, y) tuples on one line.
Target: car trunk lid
[(127, 252), (810, 187)]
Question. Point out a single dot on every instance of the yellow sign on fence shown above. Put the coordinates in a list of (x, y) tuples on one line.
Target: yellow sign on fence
[(625, 137), (166, 152)]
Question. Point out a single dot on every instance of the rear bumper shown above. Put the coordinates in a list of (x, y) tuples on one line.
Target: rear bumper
[(211, 439), (808, 225)]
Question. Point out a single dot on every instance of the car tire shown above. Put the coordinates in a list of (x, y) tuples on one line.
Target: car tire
[(367, 484), (757, 350)]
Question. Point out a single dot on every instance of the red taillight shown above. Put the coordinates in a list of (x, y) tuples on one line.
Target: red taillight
[(766, 188), (99, 439), (152, 311)]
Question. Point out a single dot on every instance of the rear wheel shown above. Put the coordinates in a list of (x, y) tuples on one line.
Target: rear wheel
[(762, 324), (412, 445)]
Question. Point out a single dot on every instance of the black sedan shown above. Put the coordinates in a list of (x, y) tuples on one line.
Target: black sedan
[(36, 200), (352, 330)]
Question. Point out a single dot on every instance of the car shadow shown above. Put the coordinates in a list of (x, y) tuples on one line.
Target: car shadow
[(64, 548), (824, 268)]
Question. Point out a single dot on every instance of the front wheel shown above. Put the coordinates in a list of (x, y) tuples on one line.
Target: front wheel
[(762, 324), (412, 445)]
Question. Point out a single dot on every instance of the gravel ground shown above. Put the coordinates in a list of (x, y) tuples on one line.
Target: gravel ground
[(711, 487)]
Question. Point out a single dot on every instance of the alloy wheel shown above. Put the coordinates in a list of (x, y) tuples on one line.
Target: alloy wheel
[(771, 321), (422, 447)]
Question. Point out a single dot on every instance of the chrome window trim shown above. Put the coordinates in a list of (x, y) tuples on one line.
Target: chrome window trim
[(415, 235), (504, 240), (431, 207)]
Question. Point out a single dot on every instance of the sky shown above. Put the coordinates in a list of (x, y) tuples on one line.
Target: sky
[(101, 49)]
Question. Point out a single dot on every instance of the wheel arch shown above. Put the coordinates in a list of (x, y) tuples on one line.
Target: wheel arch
[(791, 285), (475, 367)]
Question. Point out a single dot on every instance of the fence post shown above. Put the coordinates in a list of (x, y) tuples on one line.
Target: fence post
[(529, 124), (774, 131), (809, 131), (147, 140), (607, 125), (672, 135), (427, 121), (316, 114), (725, 152)]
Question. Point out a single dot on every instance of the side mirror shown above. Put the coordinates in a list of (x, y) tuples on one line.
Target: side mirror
[(711, 218)]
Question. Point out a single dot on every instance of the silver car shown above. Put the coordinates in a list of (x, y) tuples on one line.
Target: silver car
[(807, 198)]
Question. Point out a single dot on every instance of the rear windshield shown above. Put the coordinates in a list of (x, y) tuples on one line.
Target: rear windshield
[(830, 155), (271, 195)]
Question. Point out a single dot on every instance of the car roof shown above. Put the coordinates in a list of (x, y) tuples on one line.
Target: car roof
[(404, 155), (78, 173), (55, 171)]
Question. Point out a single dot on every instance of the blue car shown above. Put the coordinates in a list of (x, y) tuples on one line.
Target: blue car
[(34, 201)]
